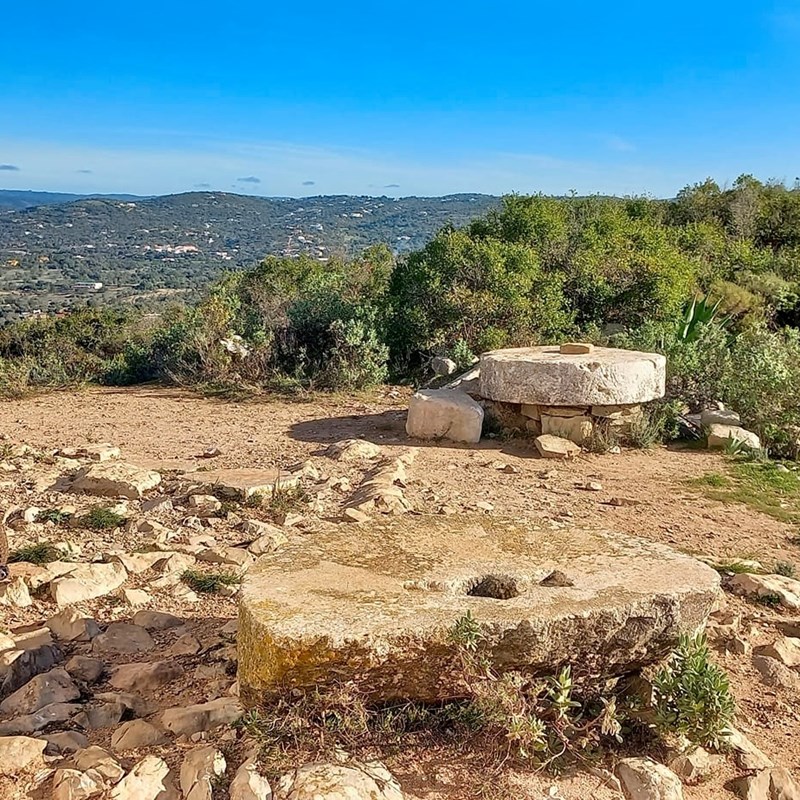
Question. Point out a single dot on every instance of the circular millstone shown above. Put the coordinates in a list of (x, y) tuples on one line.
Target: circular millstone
[(376, 605), (545, 376)]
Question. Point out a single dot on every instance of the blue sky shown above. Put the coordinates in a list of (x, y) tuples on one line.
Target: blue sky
[(400, 98)]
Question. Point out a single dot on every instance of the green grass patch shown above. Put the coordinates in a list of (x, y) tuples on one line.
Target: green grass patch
[(40, 553), (761, 486), (54, 515), (209, 582), (101, 518)]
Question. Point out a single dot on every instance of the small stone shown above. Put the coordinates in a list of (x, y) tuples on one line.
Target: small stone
[(590, 486), (86, 582), (116, 479), (122, 637), (144, 677), (723, 435), (55, 686), (786, 650), (28, 664), (14, 593), (645, 779), (200, 769), (718, 416), (100, 761), (83, 668), (144, 782), (353, 450), (774, 673), (20, 753), (746, 754), (268, 542), (71, 626), (98, 452), (786, 589), (187, 720), (248, 784), (694, 766), (556, 447), (136, 734), (135, 597), (355, 515), (66, 742), (556, 578), (575, 348), (205, 502), (339, 782), (156, 620), (53, 714), (186, 645), (70, 784), (443, 366), (235, 556)]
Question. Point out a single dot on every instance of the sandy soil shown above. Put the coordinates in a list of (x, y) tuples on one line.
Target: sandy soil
[(169, 429)]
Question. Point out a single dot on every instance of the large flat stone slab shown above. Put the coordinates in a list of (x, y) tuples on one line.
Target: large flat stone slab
[(545, 376), (376, 604)]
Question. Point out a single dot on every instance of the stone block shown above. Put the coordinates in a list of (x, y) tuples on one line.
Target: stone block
[(444, 414), (378, 609), (575, 429), (723, 435)]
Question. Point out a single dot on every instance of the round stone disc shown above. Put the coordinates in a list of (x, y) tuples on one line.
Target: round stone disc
[(545, 376)]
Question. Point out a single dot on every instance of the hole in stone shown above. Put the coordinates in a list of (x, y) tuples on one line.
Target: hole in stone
[(498, 587)]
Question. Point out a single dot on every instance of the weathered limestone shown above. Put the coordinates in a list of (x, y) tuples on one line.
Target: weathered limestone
[(241, 483), (378, 609), (576, 429), (723, 435), (545, 376), (550, 446), (339, 782), (444, 414), (87, 581), (116, 479)]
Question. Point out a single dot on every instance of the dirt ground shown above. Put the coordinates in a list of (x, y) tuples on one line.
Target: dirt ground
[(644, 493)]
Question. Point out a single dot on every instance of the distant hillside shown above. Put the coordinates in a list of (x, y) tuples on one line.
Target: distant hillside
[(173, 246), (14, 200)]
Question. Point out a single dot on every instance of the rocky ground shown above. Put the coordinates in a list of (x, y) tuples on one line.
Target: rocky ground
[(119, 678)]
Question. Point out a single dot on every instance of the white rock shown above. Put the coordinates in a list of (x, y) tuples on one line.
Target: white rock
[(71, 784), (15, 593), (645, 779), (135, 734), (718, 416), (202, 717), (100, 761), (723, 435), (575, 429), (371, 781), (135, 597), (199, 770), (786, 589), (443, 366), (444, 414), (555, 447), (69, 625), (144, 782), (353, 450), (20, 753), (784, 649), (248, 784), (86, 582), (116, 479)]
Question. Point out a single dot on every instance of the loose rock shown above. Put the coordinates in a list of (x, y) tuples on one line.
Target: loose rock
[(645, 779), (339, 782)]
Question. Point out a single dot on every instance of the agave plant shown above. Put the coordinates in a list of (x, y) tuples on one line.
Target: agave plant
[(700, 311)]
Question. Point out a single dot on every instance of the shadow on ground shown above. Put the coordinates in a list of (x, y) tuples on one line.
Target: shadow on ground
[(388, 428)]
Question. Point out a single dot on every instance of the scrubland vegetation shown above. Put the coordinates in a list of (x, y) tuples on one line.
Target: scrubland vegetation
[(711, 279)]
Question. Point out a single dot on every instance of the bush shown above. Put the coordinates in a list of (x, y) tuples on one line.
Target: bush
[(692, 696)]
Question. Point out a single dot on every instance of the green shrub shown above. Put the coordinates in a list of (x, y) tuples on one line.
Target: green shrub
[(210, 582), (39, 553), (692, 696), (101, 518)]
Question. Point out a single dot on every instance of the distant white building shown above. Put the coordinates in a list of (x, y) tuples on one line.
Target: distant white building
[(88, 286)]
